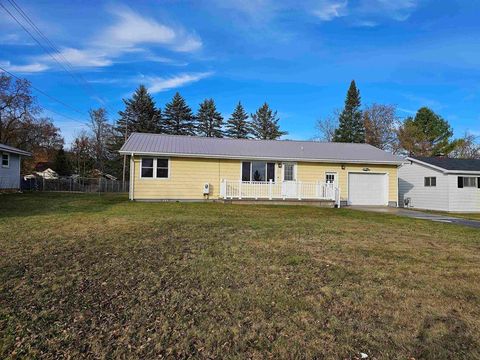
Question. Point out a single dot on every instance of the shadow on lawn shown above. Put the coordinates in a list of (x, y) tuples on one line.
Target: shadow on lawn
[(28, 204)]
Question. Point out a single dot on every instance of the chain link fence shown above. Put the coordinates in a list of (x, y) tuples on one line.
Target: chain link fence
[(84, 185)]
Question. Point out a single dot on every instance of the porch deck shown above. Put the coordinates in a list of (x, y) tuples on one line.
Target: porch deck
[(279, 191)]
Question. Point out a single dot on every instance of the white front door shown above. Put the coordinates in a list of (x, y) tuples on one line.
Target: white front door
[(367, 189), (289, 184)]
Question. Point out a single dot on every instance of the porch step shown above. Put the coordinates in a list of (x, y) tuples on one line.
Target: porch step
[(310, 202)]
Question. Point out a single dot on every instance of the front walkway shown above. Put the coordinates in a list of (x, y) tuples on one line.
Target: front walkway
[(419, 215)]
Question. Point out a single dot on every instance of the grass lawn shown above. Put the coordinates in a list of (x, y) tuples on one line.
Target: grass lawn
[(101, 277)]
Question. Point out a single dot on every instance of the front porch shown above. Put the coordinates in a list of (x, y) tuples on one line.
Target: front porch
[(279, 191)]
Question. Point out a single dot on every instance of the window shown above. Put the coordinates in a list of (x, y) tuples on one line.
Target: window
[(467, 181), (430, 181), (330, 178), (289, 172), (5, 160), (159, 165), (258, 171), (162, 168)]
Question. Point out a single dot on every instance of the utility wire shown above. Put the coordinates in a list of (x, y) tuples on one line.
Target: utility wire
[(68, 67), (51, 97)]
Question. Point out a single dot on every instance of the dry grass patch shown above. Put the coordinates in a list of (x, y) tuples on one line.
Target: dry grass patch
[(98, 276)]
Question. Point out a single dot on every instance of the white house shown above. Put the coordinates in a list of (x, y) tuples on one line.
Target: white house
[(10, 167), (440, 183)]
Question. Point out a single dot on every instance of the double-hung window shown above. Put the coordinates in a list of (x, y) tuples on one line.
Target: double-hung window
[(155, 168), (258, 171), (5, 160), (468, 181), (430, 181)]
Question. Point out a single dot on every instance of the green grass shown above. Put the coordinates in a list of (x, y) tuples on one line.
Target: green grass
[(100, 277)]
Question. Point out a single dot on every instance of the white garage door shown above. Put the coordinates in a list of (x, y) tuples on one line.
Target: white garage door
[(367, 189)]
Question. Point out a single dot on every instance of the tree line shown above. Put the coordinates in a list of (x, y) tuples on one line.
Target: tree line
[(425, 134), (96, 148)]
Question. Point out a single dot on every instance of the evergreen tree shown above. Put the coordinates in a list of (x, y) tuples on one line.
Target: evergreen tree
[(140, 114), (428, 134), (265, 124), (351, 126), (61, 163), (178, 117), (209, 120), (238, 126)]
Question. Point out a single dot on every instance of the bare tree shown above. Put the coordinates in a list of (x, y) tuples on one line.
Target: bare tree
[(381, 123), (101, 135), (81, 153), (326, 126), (467, 147)]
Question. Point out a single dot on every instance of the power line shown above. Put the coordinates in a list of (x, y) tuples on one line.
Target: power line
[(51, 97), (44, 93), (68, 67)]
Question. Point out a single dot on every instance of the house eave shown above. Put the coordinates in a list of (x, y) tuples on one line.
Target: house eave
[(241, 157), (444, 171)]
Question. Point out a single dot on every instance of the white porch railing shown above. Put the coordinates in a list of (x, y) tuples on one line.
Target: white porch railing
[(300, 190)]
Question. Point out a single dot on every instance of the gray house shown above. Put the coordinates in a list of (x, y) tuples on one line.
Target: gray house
[(10, 167), (440, 183)]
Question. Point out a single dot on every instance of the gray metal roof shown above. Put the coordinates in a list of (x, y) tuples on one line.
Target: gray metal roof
[(450, 163), (175, 145), (13, 150)]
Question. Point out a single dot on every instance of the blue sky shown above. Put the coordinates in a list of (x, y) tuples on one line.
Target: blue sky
[(299, 56)]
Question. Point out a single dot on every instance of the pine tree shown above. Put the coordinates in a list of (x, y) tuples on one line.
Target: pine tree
[(178, 117), (209, 120), (238, 126), (140, 114), (265, 124), (61, 164), (351, 126)]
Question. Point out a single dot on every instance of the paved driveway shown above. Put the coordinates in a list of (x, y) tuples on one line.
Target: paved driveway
[(419, 215)]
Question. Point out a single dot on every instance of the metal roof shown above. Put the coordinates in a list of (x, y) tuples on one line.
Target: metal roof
[(195, 146), (450, 163), (13, 150)]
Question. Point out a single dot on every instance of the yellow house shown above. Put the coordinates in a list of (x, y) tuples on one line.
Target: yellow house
[(171, 167)]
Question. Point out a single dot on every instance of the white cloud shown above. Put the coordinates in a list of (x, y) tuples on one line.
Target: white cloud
[(159, 84), (130, 33), (132, 30), (329, 10), (27, 68)]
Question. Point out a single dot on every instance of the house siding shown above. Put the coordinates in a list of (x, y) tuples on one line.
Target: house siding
[(10, 177), (187, 176), (466, 199), (411, 185)]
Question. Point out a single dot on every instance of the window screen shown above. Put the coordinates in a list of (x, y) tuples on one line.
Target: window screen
[(147, 168)]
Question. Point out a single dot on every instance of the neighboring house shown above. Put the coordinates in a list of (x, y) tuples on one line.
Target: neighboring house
[(10, 167), (440, 183), (169, 167)]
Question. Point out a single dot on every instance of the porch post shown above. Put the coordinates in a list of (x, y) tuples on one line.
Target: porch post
[(240, 189), (270, 184), (299, 190)]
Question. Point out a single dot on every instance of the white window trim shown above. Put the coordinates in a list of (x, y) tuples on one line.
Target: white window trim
[(294, 170), (430, 181), (475, 184), (251, 167), (8, 160), (154, 177)]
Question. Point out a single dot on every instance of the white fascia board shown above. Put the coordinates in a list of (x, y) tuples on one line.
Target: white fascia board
[(209, 156)]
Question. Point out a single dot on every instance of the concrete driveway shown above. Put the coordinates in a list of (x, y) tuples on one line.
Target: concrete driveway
[(419, 215)]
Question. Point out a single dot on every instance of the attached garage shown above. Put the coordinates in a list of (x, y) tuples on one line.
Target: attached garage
[(367, 189)]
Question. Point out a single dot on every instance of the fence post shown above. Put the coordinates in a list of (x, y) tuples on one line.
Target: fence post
[(270, 185), (43, 184), (240, 189), (299, 190)]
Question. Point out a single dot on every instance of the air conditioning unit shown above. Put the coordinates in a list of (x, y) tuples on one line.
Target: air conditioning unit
[(206, 189)]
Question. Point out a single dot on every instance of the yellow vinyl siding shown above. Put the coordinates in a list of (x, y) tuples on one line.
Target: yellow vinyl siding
[(307, 171), (187, 176)]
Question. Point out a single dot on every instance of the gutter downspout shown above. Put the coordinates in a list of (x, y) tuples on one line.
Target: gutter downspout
[(132, 178)]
